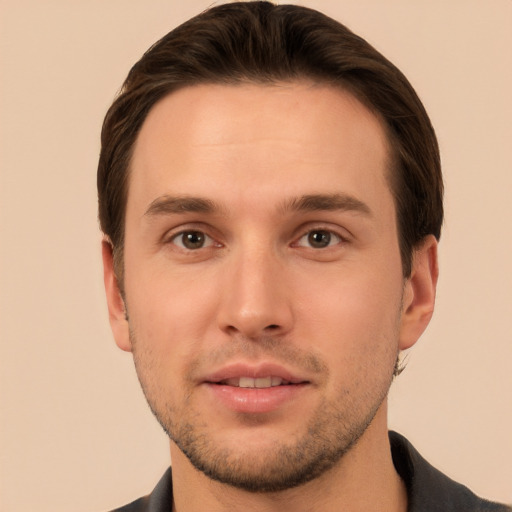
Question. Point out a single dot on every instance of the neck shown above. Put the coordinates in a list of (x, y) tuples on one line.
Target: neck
[(364, 479)]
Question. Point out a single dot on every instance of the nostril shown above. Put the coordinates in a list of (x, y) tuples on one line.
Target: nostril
[(271, 327)]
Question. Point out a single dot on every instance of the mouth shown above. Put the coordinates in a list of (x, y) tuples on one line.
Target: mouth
[(254, 382), (260, 376), (263, 388)]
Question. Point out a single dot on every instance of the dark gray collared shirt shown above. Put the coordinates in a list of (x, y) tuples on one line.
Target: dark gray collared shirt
[(428, 489)]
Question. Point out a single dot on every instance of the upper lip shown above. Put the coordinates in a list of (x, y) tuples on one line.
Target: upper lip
[(255, 371)]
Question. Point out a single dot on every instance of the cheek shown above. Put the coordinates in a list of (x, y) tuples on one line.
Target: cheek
[(359, 342), (353, 300), (170, 311), (353, 320)]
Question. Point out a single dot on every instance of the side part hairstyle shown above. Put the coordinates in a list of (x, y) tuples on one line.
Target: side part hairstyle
[(259, 42)]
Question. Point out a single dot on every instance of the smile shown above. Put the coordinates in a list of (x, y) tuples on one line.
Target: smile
[(259, 382), (255, 389)]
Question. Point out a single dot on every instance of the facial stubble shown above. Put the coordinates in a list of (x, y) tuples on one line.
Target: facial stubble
[(332, 430)]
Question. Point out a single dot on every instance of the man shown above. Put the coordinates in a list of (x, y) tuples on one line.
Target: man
[(271, 198)]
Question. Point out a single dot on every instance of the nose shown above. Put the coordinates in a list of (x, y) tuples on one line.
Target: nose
[(255, 300)]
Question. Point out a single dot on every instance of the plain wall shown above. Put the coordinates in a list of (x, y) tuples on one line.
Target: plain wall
[(76, 433)]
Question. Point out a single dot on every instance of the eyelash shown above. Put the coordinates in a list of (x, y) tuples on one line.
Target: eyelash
[(178, 239), (197, 232), (329, 233)]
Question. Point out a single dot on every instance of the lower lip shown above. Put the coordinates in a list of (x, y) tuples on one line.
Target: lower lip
[(256, 400)]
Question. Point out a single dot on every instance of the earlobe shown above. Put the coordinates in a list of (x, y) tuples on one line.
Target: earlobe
[(419, 293), (116, 306)]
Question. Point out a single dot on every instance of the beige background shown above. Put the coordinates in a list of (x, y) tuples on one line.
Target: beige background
[(76, 434)]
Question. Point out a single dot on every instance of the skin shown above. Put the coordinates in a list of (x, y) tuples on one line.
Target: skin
[(318, 291)]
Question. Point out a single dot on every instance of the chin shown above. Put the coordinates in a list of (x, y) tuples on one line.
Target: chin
[(269, 460)]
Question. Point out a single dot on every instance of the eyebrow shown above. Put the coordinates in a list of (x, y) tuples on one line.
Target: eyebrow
[(327, 202), (166, 205)]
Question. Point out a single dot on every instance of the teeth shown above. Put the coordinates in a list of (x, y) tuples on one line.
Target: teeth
[(263, 382), (276, 381), (247, 382), (250, 382)]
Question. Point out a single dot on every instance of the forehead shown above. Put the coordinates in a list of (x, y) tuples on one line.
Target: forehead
[(225, 140)]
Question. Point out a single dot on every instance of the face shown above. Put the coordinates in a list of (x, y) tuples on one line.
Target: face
[(263, 283)]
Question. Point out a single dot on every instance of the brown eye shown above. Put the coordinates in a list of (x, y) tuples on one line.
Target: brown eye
[(192, 240), (319, 239)]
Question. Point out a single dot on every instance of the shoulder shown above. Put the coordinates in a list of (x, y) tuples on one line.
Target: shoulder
[(160, 500), (140, 505), (430, 490)]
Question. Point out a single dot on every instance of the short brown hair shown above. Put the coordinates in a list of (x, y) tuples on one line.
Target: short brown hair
[(260, 42)]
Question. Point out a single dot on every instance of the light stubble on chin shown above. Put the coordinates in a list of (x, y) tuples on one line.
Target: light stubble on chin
[(283, 466), (332, 430)]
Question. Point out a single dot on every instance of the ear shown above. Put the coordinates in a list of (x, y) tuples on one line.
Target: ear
[(419, 293), (116, 307)]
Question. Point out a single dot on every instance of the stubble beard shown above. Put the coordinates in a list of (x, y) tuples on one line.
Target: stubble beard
[(333, 429), (279, 467)]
